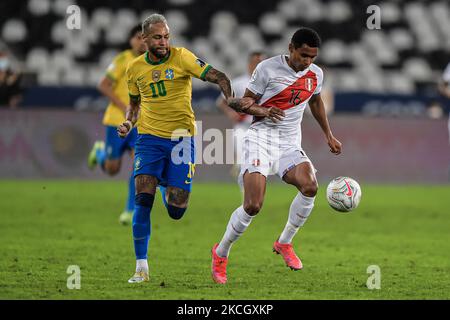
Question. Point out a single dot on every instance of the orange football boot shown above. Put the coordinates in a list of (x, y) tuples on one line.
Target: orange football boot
[(288, 254), (218, 267)]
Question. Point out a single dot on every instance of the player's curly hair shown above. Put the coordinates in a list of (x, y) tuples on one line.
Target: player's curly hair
[(152, 19), (306, 36)]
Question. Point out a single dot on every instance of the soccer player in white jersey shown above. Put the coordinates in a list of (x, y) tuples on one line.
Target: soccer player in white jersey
[(277, 95), (241, 121), (444, 89)]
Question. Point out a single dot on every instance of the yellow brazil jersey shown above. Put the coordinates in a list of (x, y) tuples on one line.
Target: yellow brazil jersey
[(165, 90), (116, 71)]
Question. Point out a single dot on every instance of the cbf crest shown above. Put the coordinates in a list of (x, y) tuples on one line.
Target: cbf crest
[(169, 74), (137, 164), (156, 75)]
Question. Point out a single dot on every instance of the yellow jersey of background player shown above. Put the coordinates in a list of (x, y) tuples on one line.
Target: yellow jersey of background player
[(116, 73)]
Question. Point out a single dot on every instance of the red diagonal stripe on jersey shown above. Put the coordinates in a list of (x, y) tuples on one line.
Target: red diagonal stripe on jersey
[(306, 87)]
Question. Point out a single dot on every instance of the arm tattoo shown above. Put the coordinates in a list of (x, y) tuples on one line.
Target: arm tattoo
[(133, 110), (235, 104), (178, 197), (218, 77)]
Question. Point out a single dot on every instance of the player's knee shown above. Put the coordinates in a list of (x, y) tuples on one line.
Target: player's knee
[(177, 197), (112, 168), (175, 213), (145, 184), (144, 200), (252, 207), (309, 189)]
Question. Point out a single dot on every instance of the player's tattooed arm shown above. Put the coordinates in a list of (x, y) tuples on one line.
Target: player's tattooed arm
[(220, 78), (133, 109), (131, 117), (248, 105), (318, 110)]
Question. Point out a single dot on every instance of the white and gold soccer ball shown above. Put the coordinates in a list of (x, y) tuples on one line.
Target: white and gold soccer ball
[(343, 194)]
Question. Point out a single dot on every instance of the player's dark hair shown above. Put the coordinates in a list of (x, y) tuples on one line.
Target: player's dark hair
[(134, 30), (306, 36)]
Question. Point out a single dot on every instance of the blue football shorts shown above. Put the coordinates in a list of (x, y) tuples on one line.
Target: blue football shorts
[(172, 162)]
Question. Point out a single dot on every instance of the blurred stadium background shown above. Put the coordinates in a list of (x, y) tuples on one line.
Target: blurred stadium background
[(385, 105)]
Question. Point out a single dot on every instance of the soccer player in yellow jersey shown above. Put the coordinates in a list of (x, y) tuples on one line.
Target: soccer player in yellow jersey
[(160, 88), (113, 85)]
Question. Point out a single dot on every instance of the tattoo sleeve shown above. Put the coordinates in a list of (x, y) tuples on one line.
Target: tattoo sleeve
[(218, 77), (241, 105), (132, 113)]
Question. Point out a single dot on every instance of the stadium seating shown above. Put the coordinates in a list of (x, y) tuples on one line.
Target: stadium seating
[(406, 55)]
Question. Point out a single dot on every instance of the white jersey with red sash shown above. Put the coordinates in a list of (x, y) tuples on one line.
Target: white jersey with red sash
[(280, 86), (275, 147)]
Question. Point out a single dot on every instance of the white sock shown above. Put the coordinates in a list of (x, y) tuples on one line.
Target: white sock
[(299, 211), (239, 221), (141, 265)]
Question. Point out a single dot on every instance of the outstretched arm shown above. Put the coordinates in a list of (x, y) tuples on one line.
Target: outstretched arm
[(221, 103), (248, 105), (220, 78), (318, 111)]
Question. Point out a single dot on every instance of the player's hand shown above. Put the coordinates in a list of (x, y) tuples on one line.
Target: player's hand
[(124, 129), (275, 114), (335, 145)]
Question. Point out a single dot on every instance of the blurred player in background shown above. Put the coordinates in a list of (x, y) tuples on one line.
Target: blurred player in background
[(160, 88), (241, 121), (10, 86), (444, 89), (283, 86), (113, 85)]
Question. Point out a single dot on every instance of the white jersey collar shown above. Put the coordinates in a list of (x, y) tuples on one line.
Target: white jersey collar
[(298, 74)]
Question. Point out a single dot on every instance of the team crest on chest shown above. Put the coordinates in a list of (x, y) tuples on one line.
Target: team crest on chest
[(156, 75), (169, 74), (309, 84)]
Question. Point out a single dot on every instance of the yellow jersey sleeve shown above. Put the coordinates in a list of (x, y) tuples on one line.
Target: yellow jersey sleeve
[(133, 89), (116, 69), (116, 72), (192, 65)]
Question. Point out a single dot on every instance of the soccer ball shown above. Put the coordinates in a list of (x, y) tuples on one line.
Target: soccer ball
[(343, 194)]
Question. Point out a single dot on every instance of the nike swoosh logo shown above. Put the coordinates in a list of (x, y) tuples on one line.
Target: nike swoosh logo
[(350, 192)]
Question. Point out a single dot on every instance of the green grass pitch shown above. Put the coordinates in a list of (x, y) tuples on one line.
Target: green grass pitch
[(46, 226)]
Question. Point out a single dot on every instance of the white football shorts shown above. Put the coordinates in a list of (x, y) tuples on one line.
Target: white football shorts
[(268, 154)]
